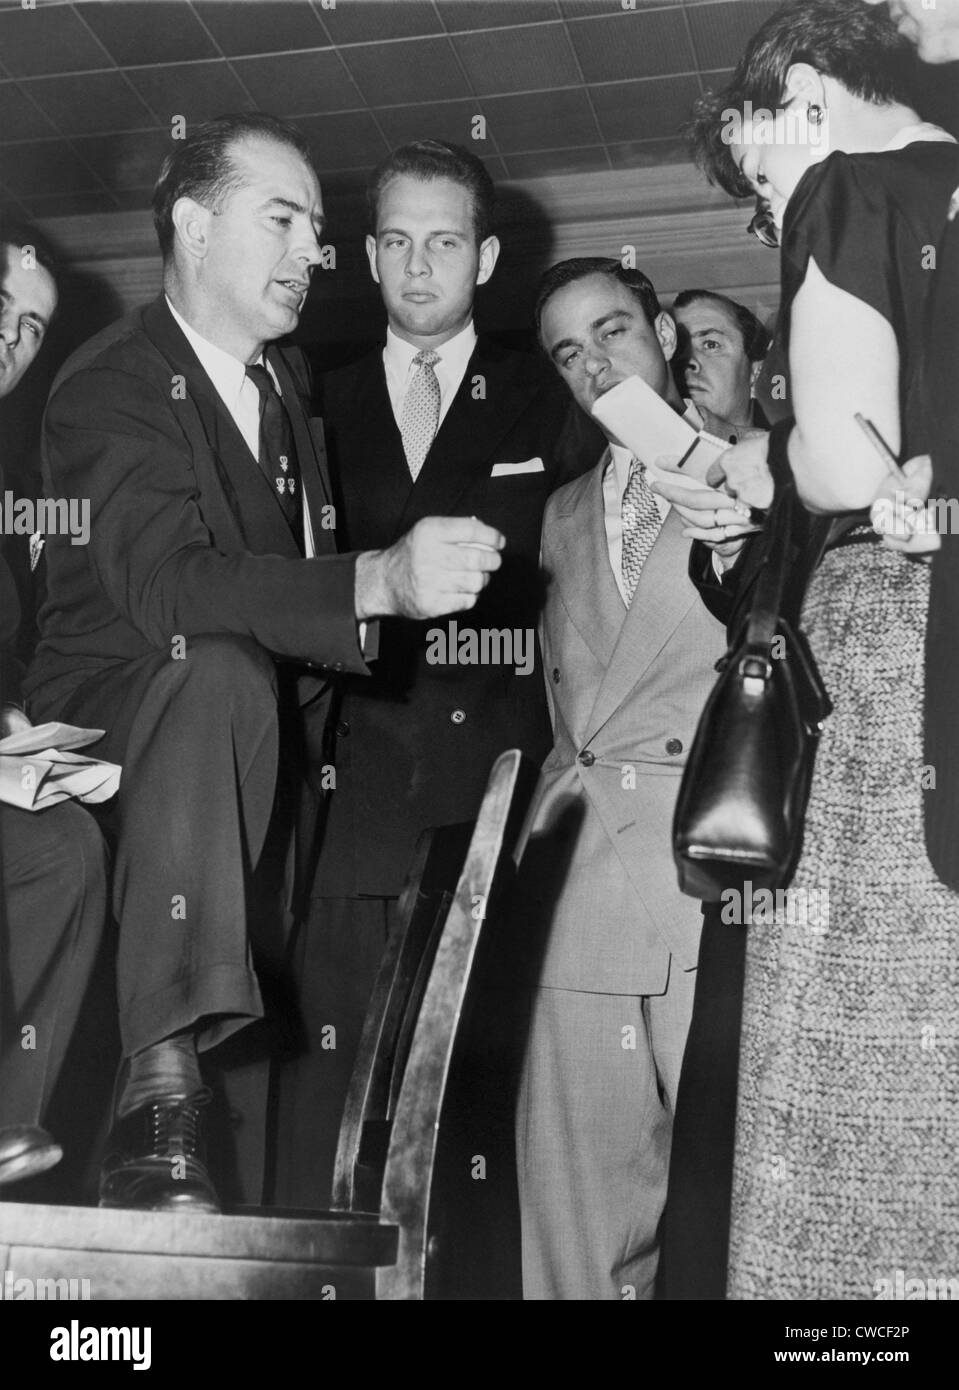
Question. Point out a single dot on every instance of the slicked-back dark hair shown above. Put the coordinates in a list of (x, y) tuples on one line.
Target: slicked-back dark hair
[(755, 336), (202, 167), (435, 159), (579, 267), (852, 42), (20, 234)]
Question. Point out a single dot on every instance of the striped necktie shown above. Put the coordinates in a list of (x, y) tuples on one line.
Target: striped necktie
[(641, 526)]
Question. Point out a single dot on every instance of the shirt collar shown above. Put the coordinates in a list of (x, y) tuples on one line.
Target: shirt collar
[(226, 372), (918, 130), (454, 354)]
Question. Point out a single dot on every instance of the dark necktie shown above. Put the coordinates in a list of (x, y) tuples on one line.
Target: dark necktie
[(277, 449)]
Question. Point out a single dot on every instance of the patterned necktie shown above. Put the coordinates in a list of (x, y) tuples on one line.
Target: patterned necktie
[(641, 525), (421, 411), (277, 449)]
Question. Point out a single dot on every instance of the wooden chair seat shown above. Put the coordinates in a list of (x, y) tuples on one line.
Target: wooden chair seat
[(388, 1138)]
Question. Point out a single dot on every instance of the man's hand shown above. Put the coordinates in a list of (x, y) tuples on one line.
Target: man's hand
[(440, 566), (13, 721), (743, 472), (710, 515), (899, 514)]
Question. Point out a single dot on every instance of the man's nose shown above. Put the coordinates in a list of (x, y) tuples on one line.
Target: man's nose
[(417, 262), (596, 363), (692, 365), (9, 328), (310, 251)]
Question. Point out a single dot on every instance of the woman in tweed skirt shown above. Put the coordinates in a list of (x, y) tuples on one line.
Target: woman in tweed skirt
[(847, 1123)]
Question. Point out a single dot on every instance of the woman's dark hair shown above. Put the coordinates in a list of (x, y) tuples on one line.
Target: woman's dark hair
[(435, 159), (202, 167), (852, 42), (579, 267)]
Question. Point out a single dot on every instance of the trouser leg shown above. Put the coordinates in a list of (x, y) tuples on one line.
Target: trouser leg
[(198, 739), (55, 907)]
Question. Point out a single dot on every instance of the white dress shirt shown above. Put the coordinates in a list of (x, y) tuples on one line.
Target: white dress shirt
[(450, 370), (241, 399)]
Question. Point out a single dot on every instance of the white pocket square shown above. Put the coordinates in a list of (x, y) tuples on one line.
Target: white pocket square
[(510, 470)]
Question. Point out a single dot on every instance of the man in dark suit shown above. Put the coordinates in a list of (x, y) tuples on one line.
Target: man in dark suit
[(53, 881), (201, 625), (436, 421)]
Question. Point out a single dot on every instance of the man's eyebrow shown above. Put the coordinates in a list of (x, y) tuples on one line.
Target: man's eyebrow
[(439, 231), (596, 323), (705, 332), (292, 206)]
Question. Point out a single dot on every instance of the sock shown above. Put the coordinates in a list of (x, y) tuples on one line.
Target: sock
[(168, 1068)]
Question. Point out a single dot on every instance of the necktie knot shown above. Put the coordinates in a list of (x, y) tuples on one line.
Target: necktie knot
[(262, 380), (426, 357)]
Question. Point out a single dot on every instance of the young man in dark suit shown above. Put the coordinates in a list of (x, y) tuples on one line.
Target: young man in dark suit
[(442, 421), (202, 624)]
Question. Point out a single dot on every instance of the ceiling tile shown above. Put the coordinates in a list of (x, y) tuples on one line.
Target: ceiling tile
[(467, 15), (297, 83), (262, 26), (533, 166), (532, 122), (19, 118), (44, 166), (70, 204), (194, 90), (89, 102), (644, 110), (45, 40), (347, 140), (518, 60), (132, 199), (374, 21), (441, 120), (643, 154), (125, 160), (133, 32), (388, 74), (636, 43), (721, 32)]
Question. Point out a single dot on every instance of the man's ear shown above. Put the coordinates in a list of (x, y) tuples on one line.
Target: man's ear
[(754, 369), (371, 257), (804, 86), (666, 333), (488, 256), (191, 226)]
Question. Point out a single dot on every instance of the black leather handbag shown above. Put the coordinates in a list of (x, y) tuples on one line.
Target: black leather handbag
[(744, 791)]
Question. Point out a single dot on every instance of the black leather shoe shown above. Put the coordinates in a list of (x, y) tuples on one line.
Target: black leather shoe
[(25, 1151), (156, 1159)]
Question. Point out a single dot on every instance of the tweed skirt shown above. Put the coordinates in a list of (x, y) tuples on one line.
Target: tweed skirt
[(846, 1178)]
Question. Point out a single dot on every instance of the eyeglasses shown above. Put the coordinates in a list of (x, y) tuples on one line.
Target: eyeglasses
[(763, 226)]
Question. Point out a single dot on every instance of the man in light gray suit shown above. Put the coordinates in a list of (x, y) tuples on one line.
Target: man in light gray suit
[(629, 654)]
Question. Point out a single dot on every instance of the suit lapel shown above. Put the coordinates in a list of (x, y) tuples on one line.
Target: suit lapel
[(250, 497), (662, 599), (465, 443), (378, 465), (582, 570)]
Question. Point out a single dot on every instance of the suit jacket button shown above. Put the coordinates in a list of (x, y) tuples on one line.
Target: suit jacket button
[(556, 675), (458, 716), (673, 746), (587, 758), (337, 666), (342, 728)]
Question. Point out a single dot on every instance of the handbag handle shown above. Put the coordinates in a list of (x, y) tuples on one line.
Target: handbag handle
[(766, 606)]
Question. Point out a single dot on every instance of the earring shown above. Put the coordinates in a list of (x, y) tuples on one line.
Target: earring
[(815, 115)]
